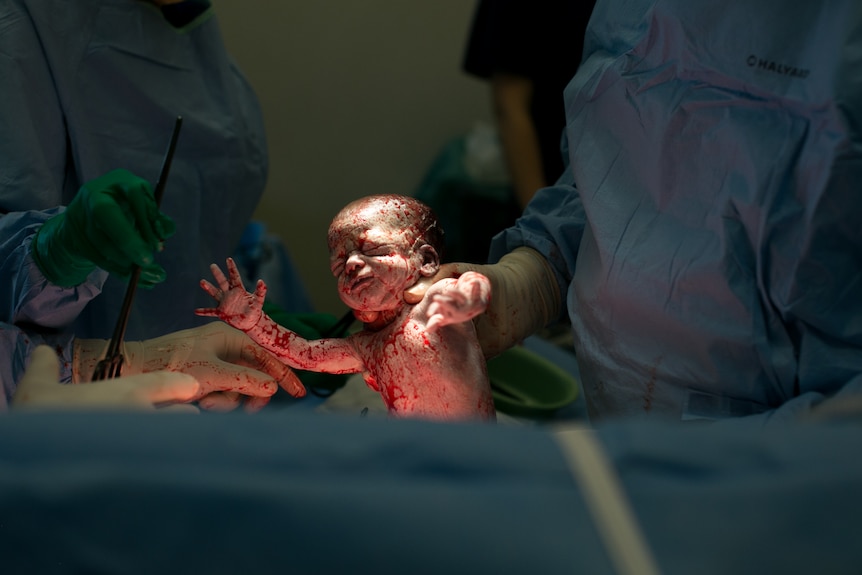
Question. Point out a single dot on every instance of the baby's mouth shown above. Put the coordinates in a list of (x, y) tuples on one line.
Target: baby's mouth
[(358, 283)]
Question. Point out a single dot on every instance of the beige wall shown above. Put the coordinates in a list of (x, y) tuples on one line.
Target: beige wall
[(358, 97)]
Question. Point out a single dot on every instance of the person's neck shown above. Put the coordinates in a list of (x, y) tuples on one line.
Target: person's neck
[(377, 320)]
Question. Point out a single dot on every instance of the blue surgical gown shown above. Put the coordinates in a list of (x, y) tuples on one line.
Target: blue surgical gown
[(707, 231), (94, 85)]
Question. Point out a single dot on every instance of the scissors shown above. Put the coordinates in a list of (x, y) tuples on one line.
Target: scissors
[(112, 365)]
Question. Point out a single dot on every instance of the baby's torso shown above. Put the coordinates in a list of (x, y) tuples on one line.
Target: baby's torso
[(433, 375)]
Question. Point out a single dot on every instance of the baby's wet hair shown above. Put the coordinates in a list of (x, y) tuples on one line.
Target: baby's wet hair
[(428, 228)]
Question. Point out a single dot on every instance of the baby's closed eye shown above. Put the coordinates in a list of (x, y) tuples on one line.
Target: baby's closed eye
[(379, 251)]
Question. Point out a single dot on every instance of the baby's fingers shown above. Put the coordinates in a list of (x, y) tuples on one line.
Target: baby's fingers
[(213, 291), (219, 277), (207, 312), (260, 291), (481, 293), (235, 277), (434, 322)]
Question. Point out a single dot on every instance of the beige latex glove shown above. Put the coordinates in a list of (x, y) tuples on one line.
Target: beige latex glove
[(40, 389), (524, 298), (226, 362), (841, 406)]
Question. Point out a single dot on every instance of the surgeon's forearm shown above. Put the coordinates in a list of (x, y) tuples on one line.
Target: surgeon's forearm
[(524, 298)]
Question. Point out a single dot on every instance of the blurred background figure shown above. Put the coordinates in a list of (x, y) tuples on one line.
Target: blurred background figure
[(480, 183), (528, 50)]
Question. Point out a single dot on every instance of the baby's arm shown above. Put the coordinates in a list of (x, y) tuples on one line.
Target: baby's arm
[(244, 311), (456, 301)]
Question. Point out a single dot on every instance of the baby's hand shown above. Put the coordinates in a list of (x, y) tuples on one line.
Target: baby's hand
[(459, 301), (236, 307)]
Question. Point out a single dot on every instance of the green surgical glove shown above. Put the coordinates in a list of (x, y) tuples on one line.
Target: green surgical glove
[(112, 223)]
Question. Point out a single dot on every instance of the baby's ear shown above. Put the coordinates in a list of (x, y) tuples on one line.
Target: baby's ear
[(430, 260)]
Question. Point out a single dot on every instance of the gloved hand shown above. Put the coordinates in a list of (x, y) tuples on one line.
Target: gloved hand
[(40, 389), (220, 357), (525, 297), (113, 222)]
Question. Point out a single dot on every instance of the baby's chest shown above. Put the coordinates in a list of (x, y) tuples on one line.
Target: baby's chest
[(399, 349)]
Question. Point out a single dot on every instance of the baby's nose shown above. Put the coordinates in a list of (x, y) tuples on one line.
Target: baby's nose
[(353, 263)]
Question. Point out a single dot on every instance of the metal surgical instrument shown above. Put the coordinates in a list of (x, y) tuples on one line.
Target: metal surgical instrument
[(112, 365)]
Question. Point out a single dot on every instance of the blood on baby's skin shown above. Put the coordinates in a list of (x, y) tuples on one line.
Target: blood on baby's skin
[(377, 250)]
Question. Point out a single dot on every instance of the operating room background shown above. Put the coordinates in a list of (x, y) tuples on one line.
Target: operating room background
[(358, 98)]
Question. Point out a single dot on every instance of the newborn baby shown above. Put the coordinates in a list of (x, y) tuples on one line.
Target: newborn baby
[(424, 359)]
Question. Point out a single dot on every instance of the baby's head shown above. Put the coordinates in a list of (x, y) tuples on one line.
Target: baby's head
[(379, 246), (393, 214)]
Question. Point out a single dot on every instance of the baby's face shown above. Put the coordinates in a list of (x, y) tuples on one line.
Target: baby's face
[(372, 254)]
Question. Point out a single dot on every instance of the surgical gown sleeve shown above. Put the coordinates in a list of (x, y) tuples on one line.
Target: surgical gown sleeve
[(16, 345), (26, 295), (552, 224), (33, 155)]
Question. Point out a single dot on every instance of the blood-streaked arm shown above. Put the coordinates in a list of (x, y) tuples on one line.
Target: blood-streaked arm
[(327, 355), (244, 311)]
